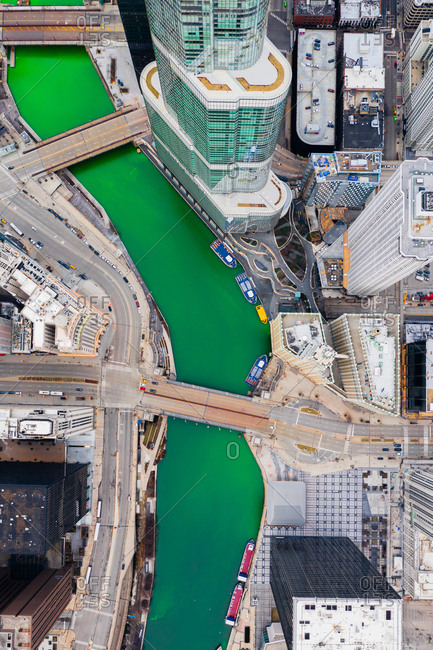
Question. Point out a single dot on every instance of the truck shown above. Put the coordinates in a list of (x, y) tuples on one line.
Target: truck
[(17, 230)]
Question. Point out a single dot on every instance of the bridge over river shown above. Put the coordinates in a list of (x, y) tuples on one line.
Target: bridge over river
[(287, 422), (81, 143)]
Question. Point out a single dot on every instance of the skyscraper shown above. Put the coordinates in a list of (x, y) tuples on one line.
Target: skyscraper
[(215, 98), (418, 89), (418, 532), (393, 235), (327, 592), (39, 503), (342, 178)]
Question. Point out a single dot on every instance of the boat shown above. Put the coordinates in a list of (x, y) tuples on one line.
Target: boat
[(257, 370), (262, 314), (247, 558), (246, 287), (235, 601), (223, 253)]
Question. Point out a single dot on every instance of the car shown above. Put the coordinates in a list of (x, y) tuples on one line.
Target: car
[(125, 279), (316, 100), (79, 390), (155, 383), (114, 266), (85, 241), (307, 108), (395, 111), (395, 64), (109, 307), (380, 458), (79, 236), (331, 43), (83, 276), (32, 241), (4, 221), (73, 267), (120, 272), (11, 392), (2, 392), (131, 287), (316, 110), (39, 244), (18, 392), (96, 252), (385, 449), (11, 167), (331, 60), (35, 229), (137, 303), (426, 266), (108, 262), (67, 225), (50, 268), (63, 397), (395, 118), (74, 231), (139, 310), (331, 125), (152, 390), (331, 90), (91, 248), (134, 295)]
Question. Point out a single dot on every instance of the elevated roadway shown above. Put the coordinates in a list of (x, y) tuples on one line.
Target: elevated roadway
[(80, 143), (38, 25)]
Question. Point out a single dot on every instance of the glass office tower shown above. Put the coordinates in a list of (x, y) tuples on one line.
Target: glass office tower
[(137, 31), (215, 98)]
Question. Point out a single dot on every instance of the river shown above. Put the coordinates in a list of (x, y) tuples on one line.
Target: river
[(216, 337)]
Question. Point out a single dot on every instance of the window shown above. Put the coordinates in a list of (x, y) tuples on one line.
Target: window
[(348, 608), (388, 615), (306, 635)]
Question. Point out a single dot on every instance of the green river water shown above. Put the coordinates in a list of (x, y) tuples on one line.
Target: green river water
[(208, 505)]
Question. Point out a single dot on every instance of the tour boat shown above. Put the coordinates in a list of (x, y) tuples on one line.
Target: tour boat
[(235, 601), (246, 561), (223, 253), (257, 370), (246, 287), (262, 314)]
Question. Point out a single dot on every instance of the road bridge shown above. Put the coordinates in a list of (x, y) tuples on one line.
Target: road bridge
[(81, 143), (38, 25), (286, 422)]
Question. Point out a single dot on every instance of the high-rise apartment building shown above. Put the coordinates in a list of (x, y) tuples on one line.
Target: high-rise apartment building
[(418, 532), (369, 359), (28, 611), (327, 592), (417, 10), (341, 179), (39, 503), (418, 90), (393, 235), (137, 31), (215, 97)]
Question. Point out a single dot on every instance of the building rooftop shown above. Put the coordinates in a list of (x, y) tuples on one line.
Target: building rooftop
[(286, 505), (330, 272), (379, 349), (315, 111), (314, 8), (363, 50), (347, 165), (416, 180), (359, 9), (419, 337)]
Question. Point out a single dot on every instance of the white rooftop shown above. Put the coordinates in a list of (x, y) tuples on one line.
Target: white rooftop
[(380, 353), (364, 48), (316, 83), (37, 428), (286, 504), (357, 9), (347, 623)]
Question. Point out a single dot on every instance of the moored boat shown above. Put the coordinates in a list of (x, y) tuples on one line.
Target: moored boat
[(247, 558), (235, 601), (246, 287), (257, 370), (262, 314), (223, 253)]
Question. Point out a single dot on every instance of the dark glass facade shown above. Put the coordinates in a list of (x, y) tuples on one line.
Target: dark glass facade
[(321, 567), (137, 32), (39, 503)]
